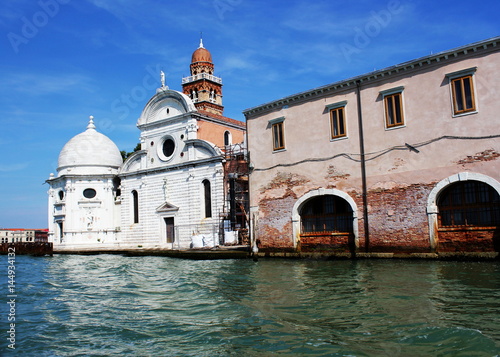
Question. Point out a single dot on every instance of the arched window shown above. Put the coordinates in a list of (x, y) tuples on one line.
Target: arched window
[(326, 213), (227, 138), (207, 194), (469, 203), (135, 203)]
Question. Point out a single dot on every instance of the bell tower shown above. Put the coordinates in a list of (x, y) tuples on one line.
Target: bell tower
[(202, 86)]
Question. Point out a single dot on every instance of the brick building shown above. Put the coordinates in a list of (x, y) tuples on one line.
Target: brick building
[(402, 159)]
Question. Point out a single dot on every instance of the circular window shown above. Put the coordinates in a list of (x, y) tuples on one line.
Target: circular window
[(168, 147), (89, 193)]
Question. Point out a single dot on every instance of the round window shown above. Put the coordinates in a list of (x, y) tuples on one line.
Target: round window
[(89, 193), (168, 147)]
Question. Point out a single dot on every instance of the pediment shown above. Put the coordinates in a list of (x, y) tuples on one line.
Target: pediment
[(167, 207)]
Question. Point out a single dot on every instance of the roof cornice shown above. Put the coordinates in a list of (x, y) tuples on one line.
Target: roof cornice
[(220, 119), (173, 167), (376, 75)]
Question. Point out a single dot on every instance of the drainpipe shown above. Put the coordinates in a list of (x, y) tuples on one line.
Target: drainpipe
[(363, 169)]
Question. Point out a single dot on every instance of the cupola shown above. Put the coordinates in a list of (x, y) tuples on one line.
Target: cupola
[(89, 152)]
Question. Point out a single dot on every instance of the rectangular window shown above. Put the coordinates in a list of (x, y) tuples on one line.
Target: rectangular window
[(337, 123), (394, 110), (463, 95), (278, 136)]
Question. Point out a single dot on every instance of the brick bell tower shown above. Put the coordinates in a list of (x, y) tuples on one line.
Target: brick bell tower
[(202, 86)]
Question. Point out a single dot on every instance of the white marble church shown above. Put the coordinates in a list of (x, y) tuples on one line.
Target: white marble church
[(177, 192)]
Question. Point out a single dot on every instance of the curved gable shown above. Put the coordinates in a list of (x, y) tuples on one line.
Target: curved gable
[(133, 162), (165, 104), (204, 149)]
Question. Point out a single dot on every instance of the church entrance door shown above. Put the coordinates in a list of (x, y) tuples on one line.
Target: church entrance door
[(169, 224)]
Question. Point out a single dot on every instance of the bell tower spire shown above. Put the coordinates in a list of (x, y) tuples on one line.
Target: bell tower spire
[(201, 40), (202, 86)]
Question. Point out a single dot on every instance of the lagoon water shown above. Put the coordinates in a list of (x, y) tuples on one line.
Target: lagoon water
[(111, 305)]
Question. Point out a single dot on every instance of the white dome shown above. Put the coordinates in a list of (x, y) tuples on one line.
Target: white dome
[(89, 152)]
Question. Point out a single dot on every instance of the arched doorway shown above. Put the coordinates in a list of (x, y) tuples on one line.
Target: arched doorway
[(326, 220), (466, 214)]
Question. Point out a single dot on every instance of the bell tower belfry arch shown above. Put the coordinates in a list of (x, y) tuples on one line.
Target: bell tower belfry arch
[(202, 86)]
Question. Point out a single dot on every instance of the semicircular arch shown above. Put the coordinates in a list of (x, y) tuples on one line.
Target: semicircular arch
[(297, 207), (432, 206)]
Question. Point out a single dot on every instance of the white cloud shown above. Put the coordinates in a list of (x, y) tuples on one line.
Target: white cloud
[(39, 83)]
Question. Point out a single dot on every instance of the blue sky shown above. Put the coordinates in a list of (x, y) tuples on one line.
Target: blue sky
[(63, 60)]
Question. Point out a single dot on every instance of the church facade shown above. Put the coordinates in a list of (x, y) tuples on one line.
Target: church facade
[(176, 192)]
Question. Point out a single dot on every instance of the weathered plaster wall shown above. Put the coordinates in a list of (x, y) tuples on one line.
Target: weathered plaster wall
[(400, 177)]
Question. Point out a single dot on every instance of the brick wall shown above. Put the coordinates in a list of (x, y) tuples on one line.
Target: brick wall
[(398, 219), (398, 223), (469, 240), (275, 224), (342, 243)]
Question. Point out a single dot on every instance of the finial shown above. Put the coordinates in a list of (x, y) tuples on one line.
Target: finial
[(201, 40), (91, 123)]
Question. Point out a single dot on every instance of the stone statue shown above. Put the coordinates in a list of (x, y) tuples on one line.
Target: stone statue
[(162, 78), (165, 187)]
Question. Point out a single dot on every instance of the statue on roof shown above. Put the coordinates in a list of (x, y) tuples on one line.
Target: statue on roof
[(162, 78)]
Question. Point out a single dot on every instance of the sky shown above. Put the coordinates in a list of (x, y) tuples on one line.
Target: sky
[(64, 60)]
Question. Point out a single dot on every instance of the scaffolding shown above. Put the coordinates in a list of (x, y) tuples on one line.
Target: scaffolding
[(235, 215)]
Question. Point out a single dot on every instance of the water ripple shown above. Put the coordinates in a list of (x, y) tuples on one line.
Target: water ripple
[(107, 305)]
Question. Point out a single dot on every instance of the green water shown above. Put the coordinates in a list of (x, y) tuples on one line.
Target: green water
[(109, 305)]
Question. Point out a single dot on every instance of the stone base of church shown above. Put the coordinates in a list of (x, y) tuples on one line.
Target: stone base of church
[(232, 252)]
